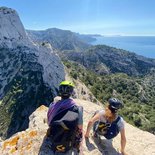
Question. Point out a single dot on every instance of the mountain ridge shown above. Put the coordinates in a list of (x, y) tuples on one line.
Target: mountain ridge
[(103, 59), (60, 39)]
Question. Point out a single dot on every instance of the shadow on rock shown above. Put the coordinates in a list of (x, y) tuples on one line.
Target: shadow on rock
[(90, 146), (45, 148), (105, 146)]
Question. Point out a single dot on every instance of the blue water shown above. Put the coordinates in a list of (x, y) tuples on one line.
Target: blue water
[(140, 45)]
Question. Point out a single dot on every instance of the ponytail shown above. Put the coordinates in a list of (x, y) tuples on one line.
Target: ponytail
[(109, 115)]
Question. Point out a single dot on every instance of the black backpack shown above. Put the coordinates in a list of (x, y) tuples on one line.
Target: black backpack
[(108, 130), (63, 129)]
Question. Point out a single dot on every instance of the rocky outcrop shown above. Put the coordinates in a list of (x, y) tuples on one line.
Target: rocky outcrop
[(14, 38), (11, 28), (29, 74), (31, 141)]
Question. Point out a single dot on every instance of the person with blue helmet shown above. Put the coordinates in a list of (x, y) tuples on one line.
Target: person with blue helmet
[(108, 123)]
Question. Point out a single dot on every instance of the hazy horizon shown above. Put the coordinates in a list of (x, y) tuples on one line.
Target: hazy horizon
[(102, 35)]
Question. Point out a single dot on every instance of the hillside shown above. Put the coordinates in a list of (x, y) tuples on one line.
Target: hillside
[(103, 59), (31, 141), (137, 93)]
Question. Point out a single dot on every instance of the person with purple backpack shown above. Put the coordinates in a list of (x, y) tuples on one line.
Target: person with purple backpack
[(65, 121)]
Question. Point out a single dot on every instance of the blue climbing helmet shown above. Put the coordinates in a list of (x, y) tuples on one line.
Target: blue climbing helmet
[(114, 104), (66, 88)]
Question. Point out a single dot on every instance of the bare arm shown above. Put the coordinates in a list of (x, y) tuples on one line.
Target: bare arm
[(123, 141), (90, 124)]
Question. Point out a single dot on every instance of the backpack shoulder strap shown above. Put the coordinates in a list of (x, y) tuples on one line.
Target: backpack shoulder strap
[(80, 109), (117, 120)]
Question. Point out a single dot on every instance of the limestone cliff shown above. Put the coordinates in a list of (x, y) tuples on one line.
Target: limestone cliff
[(29, 74), (30, 141)]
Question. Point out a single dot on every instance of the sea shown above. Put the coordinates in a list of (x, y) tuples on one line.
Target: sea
[(141, 45)]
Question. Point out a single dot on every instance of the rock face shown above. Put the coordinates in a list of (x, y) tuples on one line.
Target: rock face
[(29, 74), (31, 141), (11, 28)]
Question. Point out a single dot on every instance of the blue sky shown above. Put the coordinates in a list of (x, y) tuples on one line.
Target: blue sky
[(107, 17)]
